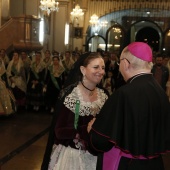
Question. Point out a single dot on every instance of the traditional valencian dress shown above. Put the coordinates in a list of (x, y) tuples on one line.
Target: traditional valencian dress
[(35, 95), (26, 62), (53, 84), (47, 61), (16, 73), (67, 64), (7, 99), (70, 144)]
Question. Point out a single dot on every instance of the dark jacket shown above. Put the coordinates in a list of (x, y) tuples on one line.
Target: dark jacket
[(165, 75)]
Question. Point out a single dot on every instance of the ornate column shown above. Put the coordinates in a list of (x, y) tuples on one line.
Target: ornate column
[(4, 15)]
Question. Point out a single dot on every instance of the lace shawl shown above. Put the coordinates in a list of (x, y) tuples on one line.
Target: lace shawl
[(86, 108), (38, 68), (56, 72)]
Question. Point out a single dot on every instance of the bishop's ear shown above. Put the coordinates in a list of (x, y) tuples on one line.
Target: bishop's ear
[(126, 64)]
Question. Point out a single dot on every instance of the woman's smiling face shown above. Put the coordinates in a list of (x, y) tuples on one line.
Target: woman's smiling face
[(94, 71)]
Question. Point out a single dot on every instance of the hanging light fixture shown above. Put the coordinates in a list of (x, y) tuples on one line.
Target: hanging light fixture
[(77, 11), (103, 23), (49, 6), (94, 20), (116, 30), (76, 14)]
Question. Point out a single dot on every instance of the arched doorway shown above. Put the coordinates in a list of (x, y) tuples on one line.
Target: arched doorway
[(149, 32), (95, 42), (114, 38), (150, 36), (166, 47)]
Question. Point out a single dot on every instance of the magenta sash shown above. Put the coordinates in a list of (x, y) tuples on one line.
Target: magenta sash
[(111, 158)]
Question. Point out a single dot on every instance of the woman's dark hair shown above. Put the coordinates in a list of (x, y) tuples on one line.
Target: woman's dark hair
[(38, 52), (75, 74), (15, 52), (55, 57), (55, 53), (90, 57), (47, 51)]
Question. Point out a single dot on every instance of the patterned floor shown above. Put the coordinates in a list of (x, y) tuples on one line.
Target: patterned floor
[(23, 139)]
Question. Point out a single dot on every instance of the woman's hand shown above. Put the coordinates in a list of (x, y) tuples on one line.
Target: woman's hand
[(90, 124)]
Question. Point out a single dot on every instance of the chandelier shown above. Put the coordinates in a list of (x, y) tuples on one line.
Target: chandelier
[(103, 24), (77, 11), (116, 30), (49, 6), (94, 20)]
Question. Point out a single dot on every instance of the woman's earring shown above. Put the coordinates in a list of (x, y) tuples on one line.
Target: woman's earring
[(84, 77)]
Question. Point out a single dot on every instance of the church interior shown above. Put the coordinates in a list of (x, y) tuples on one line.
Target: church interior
[(83, 25)]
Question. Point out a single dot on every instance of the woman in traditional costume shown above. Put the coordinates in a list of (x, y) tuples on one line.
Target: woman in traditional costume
[(79, 102), (67, 63), (53, 83), (26, 61), (47, 58), (17, 79), (7, 99), (36, 79)]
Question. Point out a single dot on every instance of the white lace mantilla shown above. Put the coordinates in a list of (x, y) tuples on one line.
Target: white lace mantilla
[(86, 108)]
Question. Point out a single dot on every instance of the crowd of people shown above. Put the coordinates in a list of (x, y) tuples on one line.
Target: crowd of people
[(110, 112), (81, 99), (132, 129), (34, 81), (125, 126)]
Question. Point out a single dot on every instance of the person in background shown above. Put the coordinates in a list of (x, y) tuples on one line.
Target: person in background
[(113, 61), (17, 80), (132, 130), (56, 53), (4, 57), (53, 83), (107, 62), (114, 68), (35, 95), (7, 99), (109, 83), (26, 61), (160, 72), (168, 82), (165, 59), (47, 58), (100, 51), (75, 57), (67, 63), (79, 101)]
